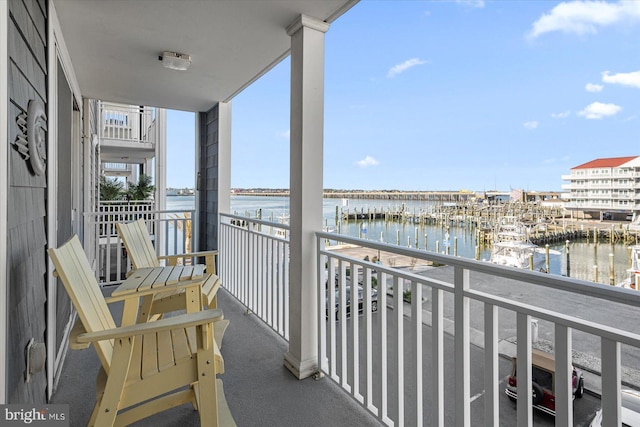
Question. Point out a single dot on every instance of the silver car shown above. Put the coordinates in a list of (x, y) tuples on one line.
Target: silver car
[(630, 412)]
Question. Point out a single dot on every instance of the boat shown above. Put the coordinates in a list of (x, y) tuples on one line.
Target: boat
[(512, 248), (633, 273)]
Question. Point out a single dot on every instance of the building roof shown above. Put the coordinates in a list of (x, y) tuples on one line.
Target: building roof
[(611, 162)]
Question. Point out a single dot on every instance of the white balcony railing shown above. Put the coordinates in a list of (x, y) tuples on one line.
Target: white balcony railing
[(382, 358), (170, 231), (117, 167), (254, 265), (126, 122)]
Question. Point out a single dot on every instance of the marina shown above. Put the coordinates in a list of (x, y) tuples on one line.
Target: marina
[(585, 246)]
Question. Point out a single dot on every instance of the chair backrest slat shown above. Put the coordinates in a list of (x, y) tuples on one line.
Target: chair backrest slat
[(137, 240), (73, 268)]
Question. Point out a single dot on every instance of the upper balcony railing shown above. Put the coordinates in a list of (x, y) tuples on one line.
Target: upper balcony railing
[(392, 358), (116, 167), (128, 123)]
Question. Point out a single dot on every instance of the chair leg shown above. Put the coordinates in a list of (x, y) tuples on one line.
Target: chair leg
[(206, 389), (109, 404)]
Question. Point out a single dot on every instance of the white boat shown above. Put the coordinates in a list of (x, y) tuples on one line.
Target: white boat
[(633, 276), (512, 248)]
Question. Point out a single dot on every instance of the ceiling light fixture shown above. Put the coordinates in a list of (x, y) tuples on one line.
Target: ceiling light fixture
[(175, 61)]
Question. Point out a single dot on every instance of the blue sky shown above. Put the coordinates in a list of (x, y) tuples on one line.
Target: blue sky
[(449, 95)]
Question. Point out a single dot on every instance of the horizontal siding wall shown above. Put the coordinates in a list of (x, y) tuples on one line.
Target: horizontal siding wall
[(26, 258)]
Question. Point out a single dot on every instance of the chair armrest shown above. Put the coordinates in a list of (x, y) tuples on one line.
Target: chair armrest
[(167, 324), (77, 330), (209, 255)]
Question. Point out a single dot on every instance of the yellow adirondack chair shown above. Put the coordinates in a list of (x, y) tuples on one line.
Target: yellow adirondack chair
[(137, 241), (147, 367)]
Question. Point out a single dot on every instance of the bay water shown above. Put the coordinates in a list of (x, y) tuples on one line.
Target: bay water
[(583, 255)]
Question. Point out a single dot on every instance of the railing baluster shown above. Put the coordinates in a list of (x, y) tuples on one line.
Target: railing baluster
[(462, 370), (342, 290), (491, 373), (563, 389), (355, 338), (398, 316), (611, 400), (322, 308), (524, 409), (437, 355), (417, 350), (331, 311), (382, 351), (368, 339), (285, 257)]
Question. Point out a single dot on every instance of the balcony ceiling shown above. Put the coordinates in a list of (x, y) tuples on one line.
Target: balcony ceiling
[(114, 46)]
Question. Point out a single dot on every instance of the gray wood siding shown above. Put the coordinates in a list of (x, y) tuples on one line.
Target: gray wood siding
[(208, 206), (27, 216)]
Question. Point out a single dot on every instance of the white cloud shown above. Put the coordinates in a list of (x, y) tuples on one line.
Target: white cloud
[(531, 124), (562, 115), (366, 162), (598, 110), (479, 4), (592, 87), (625, 79), (585, 17), (404, 66)]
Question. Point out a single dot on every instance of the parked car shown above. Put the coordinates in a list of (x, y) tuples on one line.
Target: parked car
[(374, 300), (543, 371), (630, 412)]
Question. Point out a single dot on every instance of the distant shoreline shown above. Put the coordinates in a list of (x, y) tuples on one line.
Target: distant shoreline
[(444, 195)]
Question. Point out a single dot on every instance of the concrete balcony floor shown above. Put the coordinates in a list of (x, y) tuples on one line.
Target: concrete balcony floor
[(260, 391)]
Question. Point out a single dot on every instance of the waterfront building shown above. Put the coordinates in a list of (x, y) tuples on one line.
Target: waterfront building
[(606, 188)]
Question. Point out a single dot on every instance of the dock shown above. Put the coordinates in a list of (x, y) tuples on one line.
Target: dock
[(547, 224)]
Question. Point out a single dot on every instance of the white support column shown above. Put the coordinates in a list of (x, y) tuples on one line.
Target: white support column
[(161, 159), (4, 193), (160, 175), (307, 122), (224, 157)]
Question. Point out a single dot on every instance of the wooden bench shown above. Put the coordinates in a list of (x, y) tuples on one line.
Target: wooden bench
[(146, 367)]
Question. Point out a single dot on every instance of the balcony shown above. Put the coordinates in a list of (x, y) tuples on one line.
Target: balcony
[(442, 357), (116, 169), (127, 133)]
